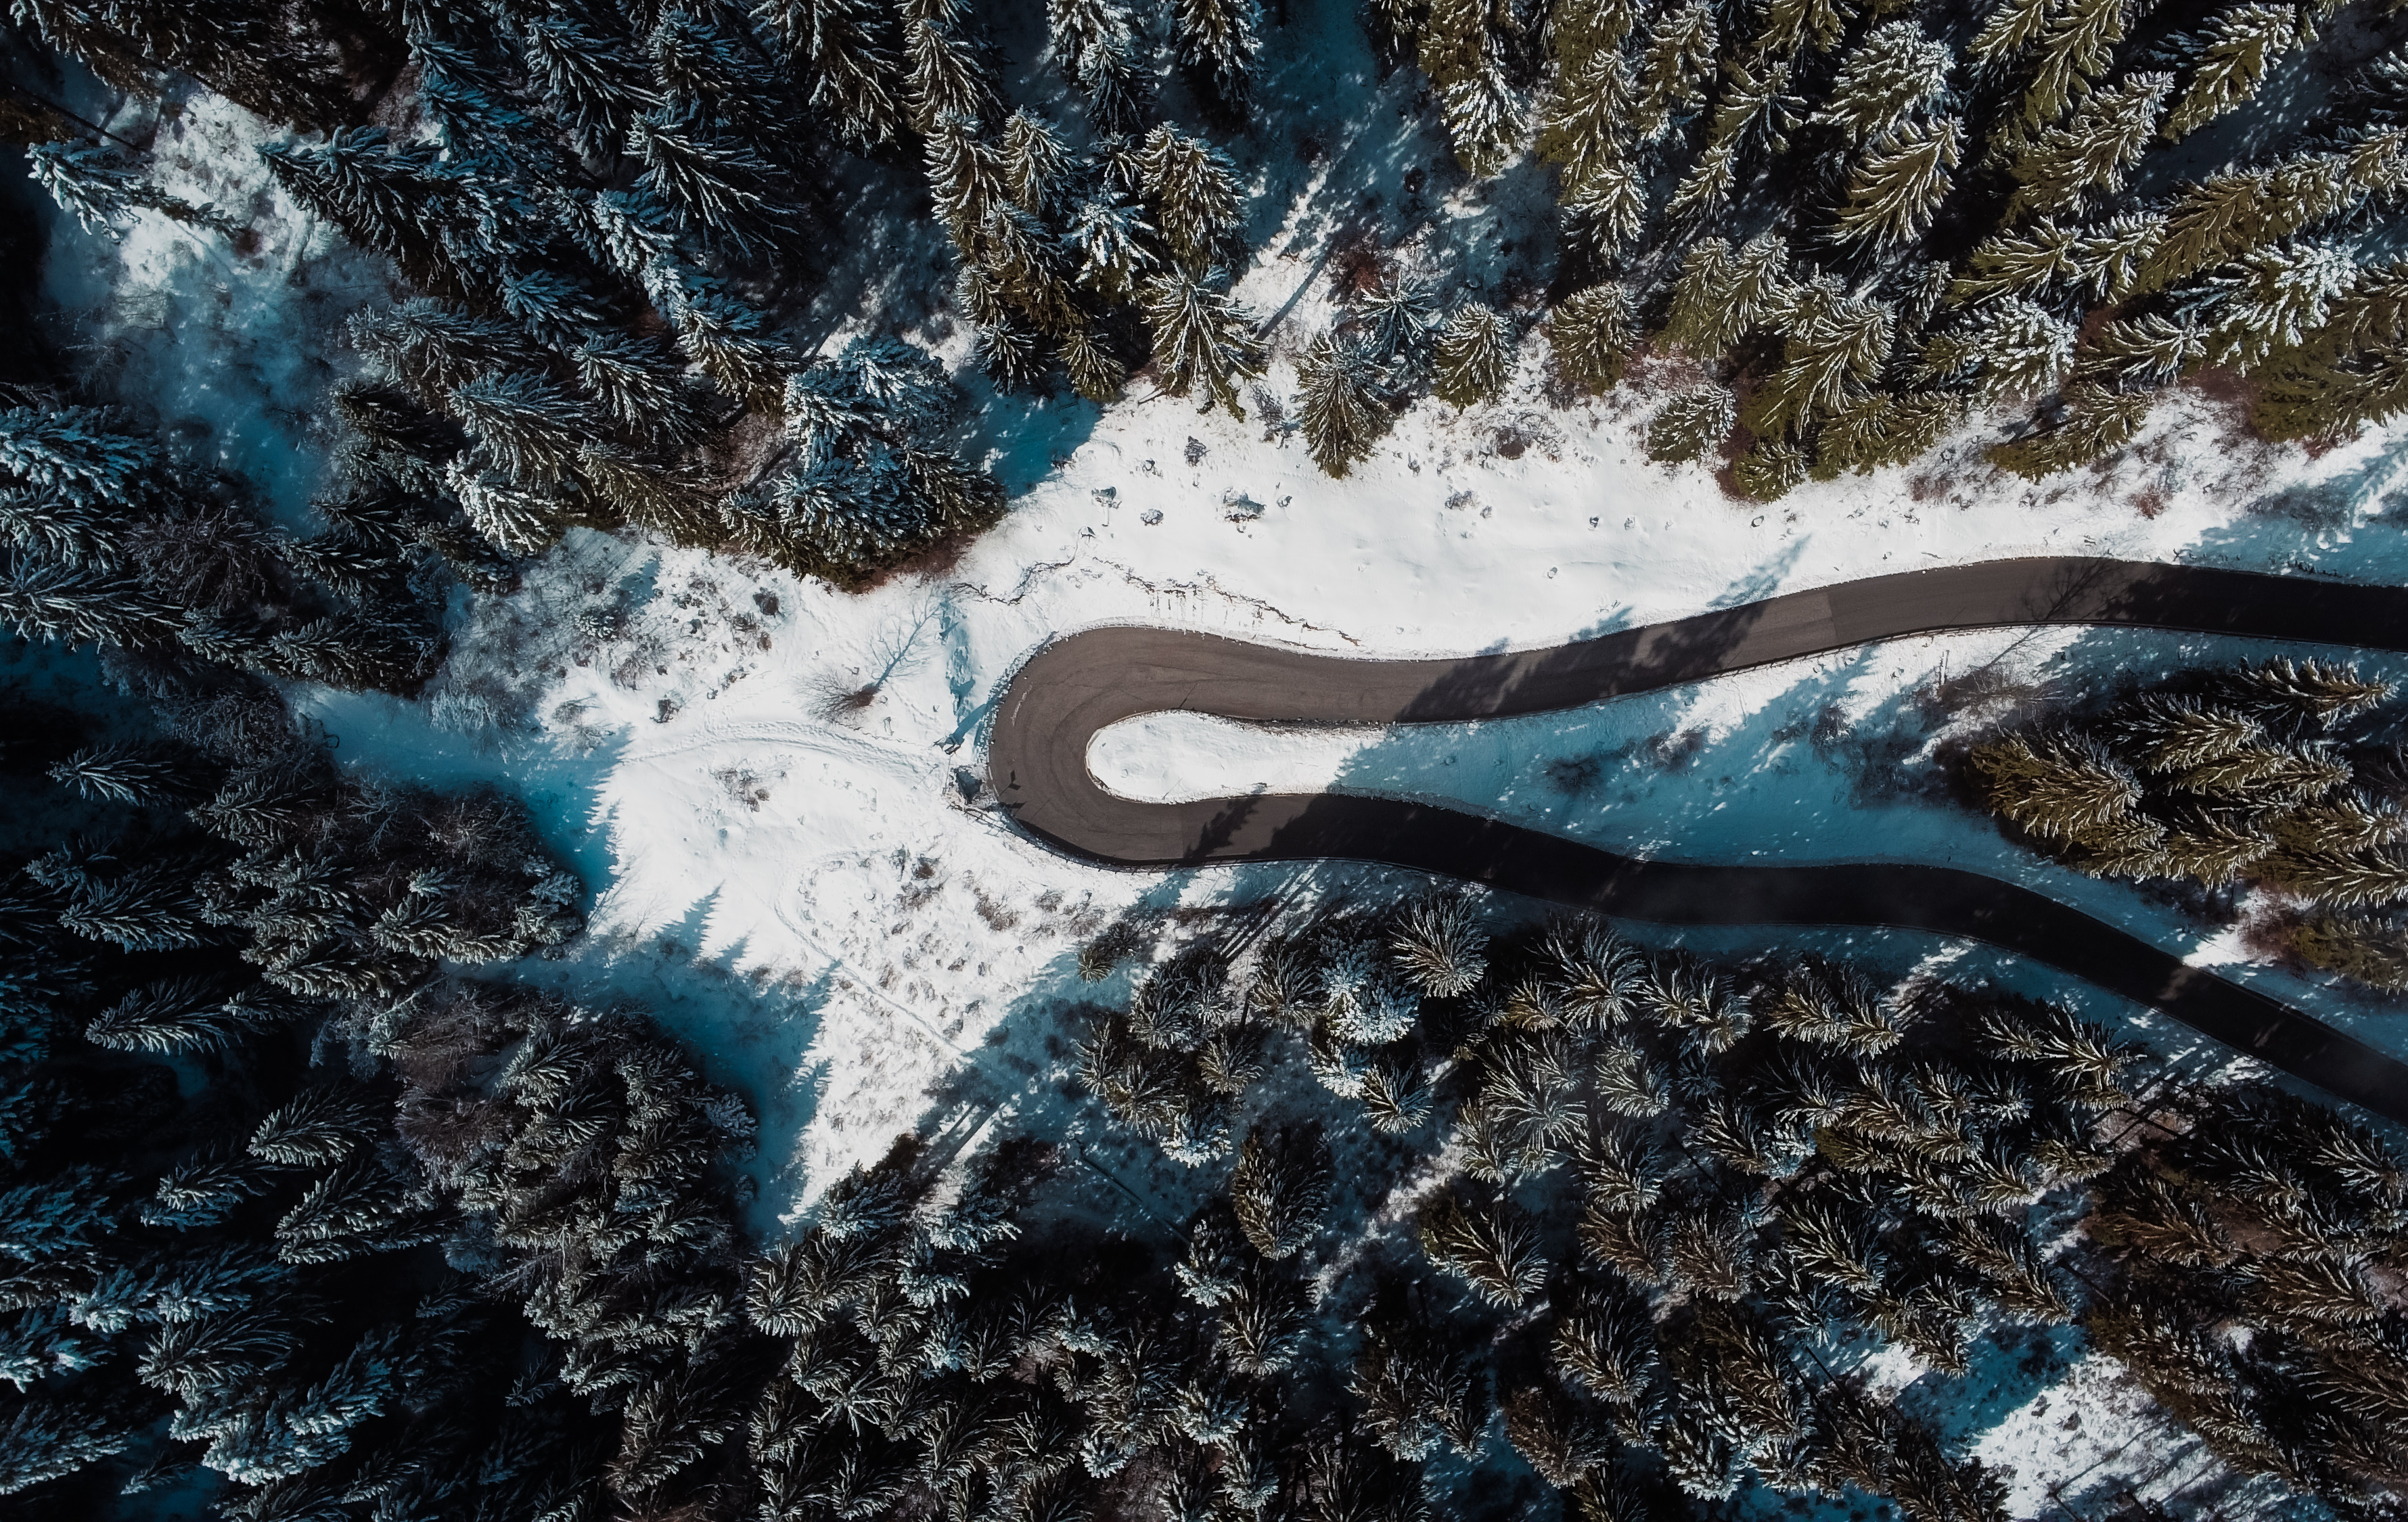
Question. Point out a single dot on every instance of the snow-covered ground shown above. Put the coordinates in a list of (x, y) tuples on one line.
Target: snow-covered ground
[(775, 791)]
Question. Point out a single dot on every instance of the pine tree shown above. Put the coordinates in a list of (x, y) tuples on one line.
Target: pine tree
[(844, 50), (515, 520), (1437, 945), (2274, 298), (2077, 45), (1342, 394), (1031, 161), (2240, 45), (1591, 335), (1896, 188), (1200, 337), (1895, 72), (944, 64), (526, 425), (2006, 346), (1096, 45), (1833, 352), (1096, 372), (2095, 422), (592, 79), (641, 389), (2093, 150), (1218, 39), (1193, 191), (1475, 354), (73, 450), (1583, 118), (1493, 1248), (724, 338), (127, 774), (1112, 240), (2343, 879), (1280, 1188), (1677, 66), (184, 1014)]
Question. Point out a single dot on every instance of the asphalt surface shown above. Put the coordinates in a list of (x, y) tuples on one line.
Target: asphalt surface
[(1075, 685)]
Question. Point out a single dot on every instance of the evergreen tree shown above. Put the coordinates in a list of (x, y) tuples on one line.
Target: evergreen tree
[(1591, 335), (1218, 40), (1342, 401), (1096, 44), (1677, 66), (2273, 298), (844, 51), (1893, 73), (527, 426), (712, 184), (944, 66), (641, 389), (1493, 1248), (589, 76), (1200, 338), (1692, 424), (1897, 187), (2068, 164), (2233, 55), (1280, 1188), (1193, 192), (1474, 355)]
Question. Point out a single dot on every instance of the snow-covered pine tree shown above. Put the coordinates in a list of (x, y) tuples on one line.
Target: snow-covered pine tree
[(1031, 159), (2068, 164), (1200, 338), (1437, 946), (2094, 422), (2323, 691), (1218, 41), (1792, 24), (2075, 42), (1592, 333), (715, 185), (1492, 1247), (2233, 53), (1458, 52), (1676, 68), (2006, 346), (1691, 424), (527, 426), (1834, 350), (1886, 79), (1474, 355), (724, 337), (1280, 1188), (1896, 187), (1583, 118), (1752, 116), (128, 774), (1096, 372), (74, 449), (1115, 245), (1193, 192), (944, 64), (2274, 298), (844, 52), (1342, 391), (640, 387), (1096, 45), (590, 74)]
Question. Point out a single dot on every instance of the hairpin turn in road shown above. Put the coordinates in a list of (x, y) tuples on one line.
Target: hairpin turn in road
[(1077, 685)]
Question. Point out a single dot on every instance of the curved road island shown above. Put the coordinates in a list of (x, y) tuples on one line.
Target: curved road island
[(1075, 685)]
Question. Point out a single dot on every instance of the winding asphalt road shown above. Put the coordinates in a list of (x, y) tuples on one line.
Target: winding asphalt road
[(1075, 685)]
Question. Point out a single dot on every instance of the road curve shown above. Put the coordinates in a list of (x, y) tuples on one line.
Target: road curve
[(1075, 685)]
